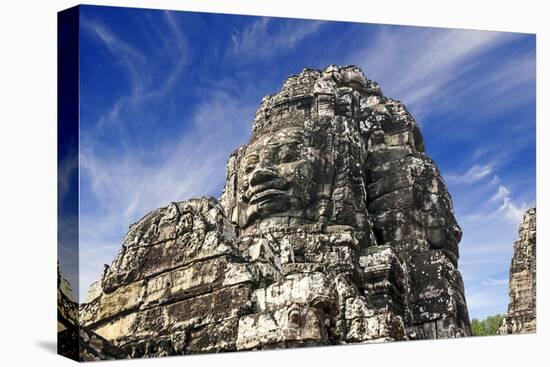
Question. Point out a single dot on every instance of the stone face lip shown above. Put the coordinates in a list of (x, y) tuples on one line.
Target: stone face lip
[(522, 308), (334, 227)]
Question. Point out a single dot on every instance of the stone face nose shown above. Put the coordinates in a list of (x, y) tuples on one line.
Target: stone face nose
[(261, 176)]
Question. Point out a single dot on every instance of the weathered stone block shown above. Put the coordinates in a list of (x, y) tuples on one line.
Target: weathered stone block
[(214, 338), (435, 282), (197, 278), (311, 289), (123, 300), (223, 304), (399, 180), (399, 199), (357, 307), (122, 327), (386, 326), (182, 251), (378, 155), (290, 324), (217, 306), (170, 237)]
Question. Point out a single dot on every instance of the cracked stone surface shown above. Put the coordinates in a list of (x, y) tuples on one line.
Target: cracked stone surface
[(522, 308), (334, 227)]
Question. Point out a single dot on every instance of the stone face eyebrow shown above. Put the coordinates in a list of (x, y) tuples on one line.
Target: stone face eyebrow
[(251, 159)]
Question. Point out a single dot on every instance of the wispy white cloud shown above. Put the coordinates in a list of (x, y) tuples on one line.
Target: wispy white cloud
[(132, 59), (418, 65), (247, 40), (473, 174), (261, 40), (483, 200), (485, 275), (502, 192), (67, 171), (134, 179), (477, 300), (140, 70), (495, 282), (118, 47), (501, 89), (512, 73), (217, 127), (512, 211), (483, 298), (190, 165), (488, 211)]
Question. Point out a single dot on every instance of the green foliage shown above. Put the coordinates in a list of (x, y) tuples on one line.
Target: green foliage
[(489, 326)]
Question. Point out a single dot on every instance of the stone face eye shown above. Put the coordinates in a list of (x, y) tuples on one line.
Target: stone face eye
[(250, 164), (287, 154)]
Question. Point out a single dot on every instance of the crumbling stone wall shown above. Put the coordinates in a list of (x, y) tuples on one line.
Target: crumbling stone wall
[(334, 227), (73, 340), (522, 309)]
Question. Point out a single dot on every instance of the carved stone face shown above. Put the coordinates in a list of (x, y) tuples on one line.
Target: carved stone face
[(277, 176)]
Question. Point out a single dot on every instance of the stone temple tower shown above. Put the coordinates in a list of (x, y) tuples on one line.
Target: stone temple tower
[(522, 287), (334, 227)]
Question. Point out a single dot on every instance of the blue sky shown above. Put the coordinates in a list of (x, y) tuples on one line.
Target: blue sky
[(166, 96)]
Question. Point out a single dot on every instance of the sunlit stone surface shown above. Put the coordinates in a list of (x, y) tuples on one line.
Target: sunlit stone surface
[(334, 227), (522, 309)]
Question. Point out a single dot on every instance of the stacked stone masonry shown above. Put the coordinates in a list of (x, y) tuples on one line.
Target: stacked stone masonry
[(522, 308), (73, 340), (334, 227)]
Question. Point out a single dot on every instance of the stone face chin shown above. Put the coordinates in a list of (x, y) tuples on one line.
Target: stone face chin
[(334, 227)]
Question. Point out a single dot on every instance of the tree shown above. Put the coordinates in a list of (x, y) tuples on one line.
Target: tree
[(488, 326)]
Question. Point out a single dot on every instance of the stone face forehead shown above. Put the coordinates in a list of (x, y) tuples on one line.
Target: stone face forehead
[(285, 136)]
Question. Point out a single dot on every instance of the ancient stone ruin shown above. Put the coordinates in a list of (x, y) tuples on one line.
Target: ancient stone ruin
[(522, 309), (334, 227), (74, 341)]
